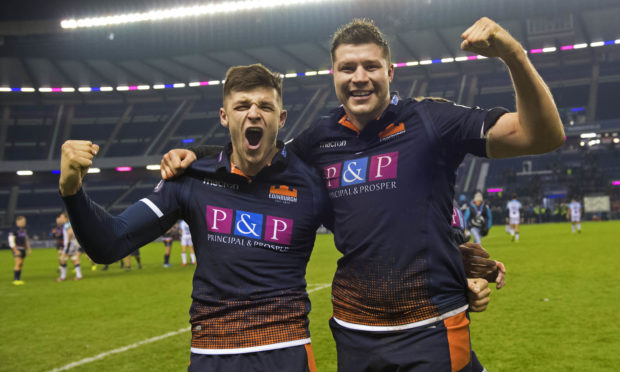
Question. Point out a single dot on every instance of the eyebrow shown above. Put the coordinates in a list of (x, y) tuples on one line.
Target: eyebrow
[(247, 101)]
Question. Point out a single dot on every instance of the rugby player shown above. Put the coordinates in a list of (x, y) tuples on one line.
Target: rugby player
[(71, 250), (399, 293), (57, 236), (168, 238), (20, 245), (186, 241), (253, 209), (574, 214), (514, 217)]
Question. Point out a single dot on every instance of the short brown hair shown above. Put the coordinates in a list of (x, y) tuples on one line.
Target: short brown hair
[(360, 31), (244, 78), (19, 218)]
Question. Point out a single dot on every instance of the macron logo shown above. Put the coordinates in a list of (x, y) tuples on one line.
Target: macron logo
[(356, 171), (249, 225)]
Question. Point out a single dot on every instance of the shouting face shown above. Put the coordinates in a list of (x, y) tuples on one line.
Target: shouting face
[(253, 119)]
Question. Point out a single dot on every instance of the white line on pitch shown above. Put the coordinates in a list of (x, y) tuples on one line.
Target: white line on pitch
[(120, 350), (143, 342), (321, 286)]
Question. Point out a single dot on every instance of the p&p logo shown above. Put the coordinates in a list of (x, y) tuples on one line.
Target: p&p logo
[(249, 225), (357, 171)]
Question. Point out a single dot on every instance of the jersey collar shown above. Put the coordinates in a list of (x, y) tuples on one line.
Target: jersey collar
[(223, 168), (375, 127)]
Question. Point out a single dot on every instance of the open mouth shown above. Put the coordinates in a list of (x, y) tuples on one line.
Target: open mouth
[(253, 135)]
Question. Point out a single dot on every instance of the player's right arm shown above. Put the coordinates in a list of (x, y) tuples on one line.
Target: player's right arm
[(104, 237), (12, 243), (175, 161)]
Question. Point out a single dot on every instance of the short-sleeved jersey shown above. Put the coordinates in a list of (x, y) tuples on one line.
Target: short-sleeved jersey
[(185, 232), (514, 208), (65, 234), (575, 209), (20, 235), (391, 188), (252, 243), (57, 235)]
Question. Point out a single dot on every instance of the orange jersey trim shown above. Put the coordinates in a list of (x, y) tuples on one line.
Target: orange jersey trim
[(392, 129), (458, 340), (345, 122), (237, 171)]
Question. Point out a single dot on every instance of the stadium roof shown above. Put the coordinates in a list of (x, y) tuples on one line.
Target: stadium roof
[(36, 52)]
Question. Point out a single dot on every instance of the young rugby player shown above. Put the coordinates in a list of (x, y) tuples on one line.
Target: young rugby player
[(253, 210)]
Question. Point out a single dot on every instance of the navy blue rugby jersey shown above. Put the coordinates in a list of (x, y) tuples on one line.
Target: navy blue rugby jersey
[(391, 188), (20, 234), (253, 238)]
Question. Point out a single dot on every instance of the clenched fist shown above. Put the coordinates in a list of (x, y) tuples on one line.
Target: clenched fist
[(174, 163), (478, 295), (487, 38), (76, 158)]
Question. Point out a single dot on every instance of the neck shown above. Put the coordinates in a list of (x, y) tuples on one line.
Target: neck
[(251, 168), (361, 121)]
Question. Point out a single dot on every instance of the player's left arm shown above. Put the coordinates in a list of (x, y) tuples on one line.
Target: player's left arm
[(478, 294), (536, 127), (12, 243)]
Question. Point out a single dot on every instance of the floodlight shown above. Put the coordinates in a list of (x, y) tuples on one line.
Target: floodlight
[(182, 12)]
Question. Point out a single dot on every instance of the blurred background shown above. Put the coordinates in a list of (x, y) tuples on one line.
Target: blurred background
[(141, 88)]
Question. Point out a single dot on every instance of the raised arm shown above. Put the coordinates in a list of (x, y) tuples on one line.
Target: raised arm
[(104, 237), (536, 127)]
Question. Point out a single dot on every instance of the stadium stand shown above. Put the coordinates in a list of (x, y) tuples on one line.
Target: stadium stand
[(134, 128)]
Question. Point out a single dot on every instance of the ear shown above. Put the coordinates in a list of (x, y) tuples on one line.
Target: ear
[(282, 118), (391, 72), (223, 118)]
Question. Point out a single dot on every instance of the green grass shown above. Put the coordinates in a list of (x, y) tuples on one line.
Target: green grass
[(558, 311)]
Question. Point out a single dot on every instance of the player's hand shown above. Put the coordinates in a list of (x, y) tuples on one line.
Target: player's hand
[(487, 38), (175, 161), (76, 158), (500, 280), (478, 295), (471, 249), (476, 262)]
